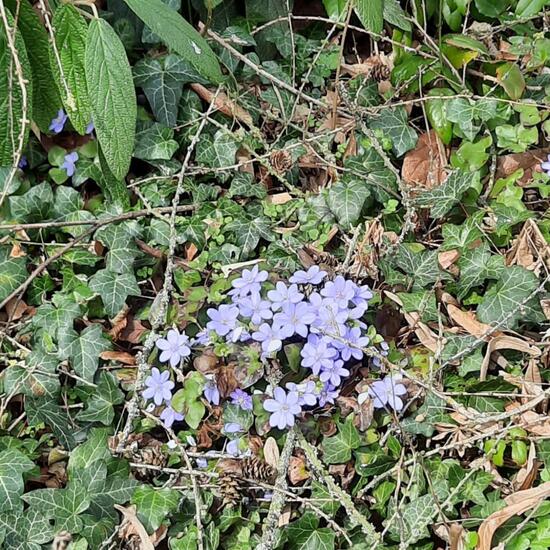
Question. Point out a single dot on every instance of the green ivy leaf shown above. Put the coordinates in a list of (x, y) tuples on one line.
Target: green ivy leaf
[(510, 77), (45, 101), (43, 410), (155, 143), (84, 349), (93, 449), (179, 35), (70, 78), (114, 288), (420, 266), (162, 80), (33, 206), (337, 449), (393, 123), (119, 239), (503, 303), (13, 464), (370, 12), (476, 265), (346, 199), (26, 531), (13, 272), (443, 197), (112, 95), (11, 97), (100, 405), (305, 534), (249, 232), (416, 516), (217, 151), (153, 505)]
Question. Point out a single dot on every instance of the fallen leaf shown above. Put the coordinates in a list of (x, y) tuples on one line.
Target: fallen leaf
[(528, 472), (424, 166), (535, 423), (468, 321), (223, 103), (118, 323), (271, 452), (279, 198), (517, 503), (529, 249), (17, 251), (131, 526), (284, 518), (529, 161), (207, 362), (448, 258), (297, 471), (16, 308), (133, 331), (120, 356)]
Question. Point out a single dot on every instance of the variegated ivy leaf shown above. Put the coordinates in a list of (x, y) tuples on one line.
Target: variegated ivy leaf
[(153, 505), (13, 464), (477, 265), (249, 232), (155, 143), (420, 266), (83, 350), (393, 124), (217, 151), (114, 288), (346, 199), (443, 197), (162, 80), (100, 405), (26, 531), (119, 240), (511, 299), (34, 205), (13, 272), (42, 410)]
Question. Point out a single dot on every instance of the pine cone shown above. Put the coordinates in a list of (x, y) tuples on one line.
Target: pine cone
[(230, 489), (380, 71), (257, 469), (281, 161), (151, 454)]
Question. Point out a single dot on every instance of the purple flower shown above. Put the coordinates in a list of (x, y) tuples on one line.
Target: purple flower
[(255, 308), (545, 166), (384, 350), (250, 282), (387, 391), (353, 342), (283, 408), (202, 338), (334, 373), (361, 295), (169, 416), (330, 319), (159, 386), (328, 394), (232, 428), (317, 354), (242, 399), (223, 320), (69, 163), (174, 347), (283, 294), (234, 448), (294, 318), (90, 128), (211, 392), (339, 291), (57, 123), (23, 162), (307, 394), (270, 337), (313, 276)]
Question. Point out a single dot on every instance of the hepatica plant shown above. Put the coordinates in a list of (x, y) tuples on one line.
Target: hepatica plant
[(294, 345)]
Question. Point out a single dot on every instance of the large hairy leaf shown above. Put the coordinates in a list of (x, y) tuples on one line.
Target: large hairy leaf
[(70, 40), (11, 96), (112, 95), (370, 12), (179, 35), (46, 101)]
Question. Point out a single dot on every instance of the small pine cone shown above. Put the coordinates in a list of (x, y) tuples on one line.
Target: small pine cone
[(151, 455), (380, 71), (281, 161), (230, 489), (257, 469)]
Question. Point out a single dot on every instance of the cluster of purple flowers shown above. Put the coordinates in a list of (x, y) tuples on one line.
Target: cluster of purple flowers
[(58, 123)]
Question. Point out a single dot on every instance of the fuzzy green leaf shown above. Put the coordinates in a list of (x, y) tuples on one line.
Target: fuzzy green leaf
[(371, 12)]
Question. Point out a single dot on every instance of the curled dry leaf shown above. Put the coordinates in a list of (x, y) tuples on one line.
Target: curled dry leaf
[(529, 161), (120, 356), (132, 527), (424, 166), (467, 320), (535, 423), (271, 452), (297, 471), (206, 362), (448, 258), (223, 103), (517, 503), (529, 249)]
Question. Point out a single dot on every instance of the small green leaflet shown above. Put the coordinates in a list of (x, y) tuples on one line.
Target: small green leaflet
[(114, 288), (70, 40), (346, 199), (155, 143), (153, 505), (162, 80), (370, 12), (503, 304), (13, 464), (337, 449), (179, 35), (46, 101), (393, 124), (100, 405), (443, 197), (12, 272), (11, 96), (112, 95), (84, 349)]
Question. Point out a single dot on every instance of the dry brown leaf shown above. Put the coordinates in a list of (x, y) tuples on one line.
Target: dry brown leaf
[(448, 258), (467, 320), (271, 452), (532, 382), (297, 471), (223, 104), (529, 249), (424, 166), (120, 356), (207, 362), (17, 251), (506, 342), (118, 323), (517, 503), (529, 161), (133, 331), (535, 423), (16, 308), (284, 518), (132, 526), (279, 198), (528, 472)]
